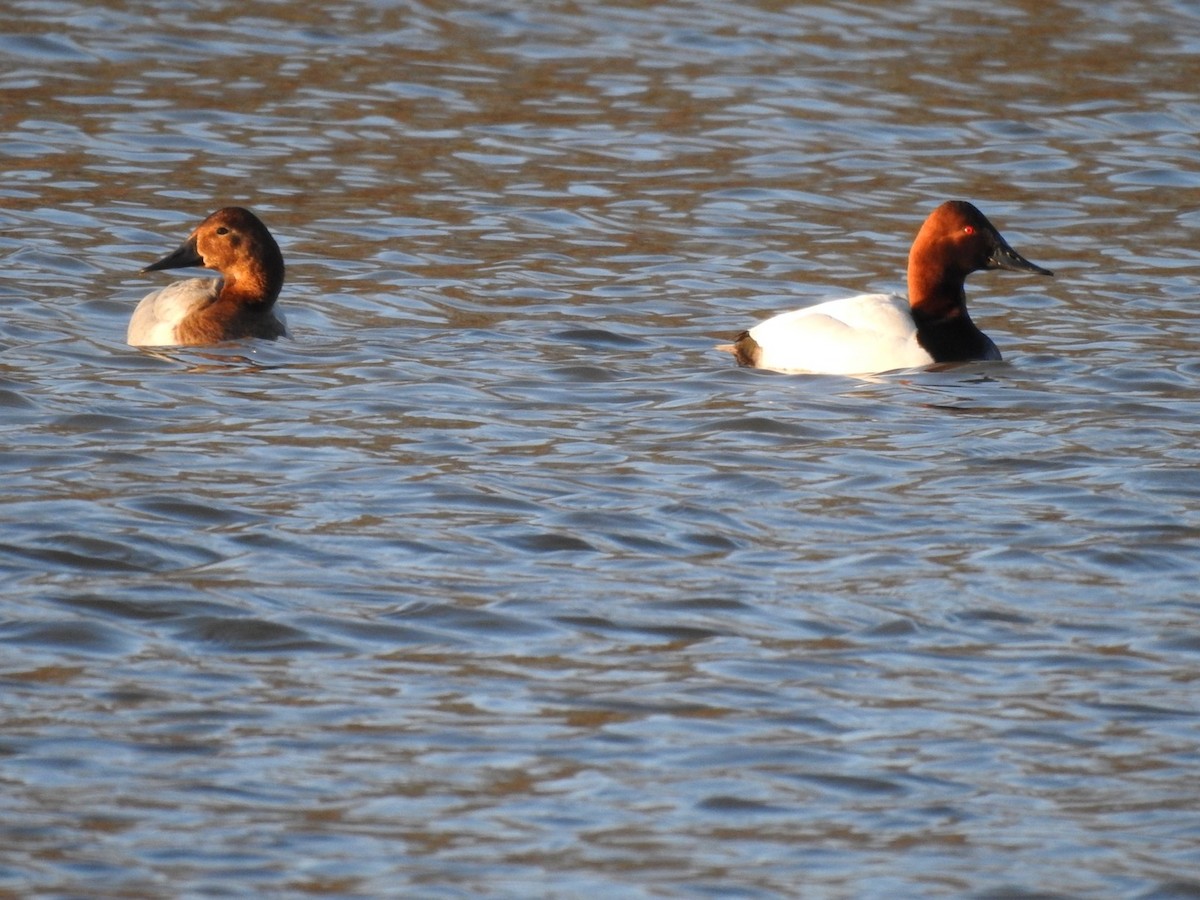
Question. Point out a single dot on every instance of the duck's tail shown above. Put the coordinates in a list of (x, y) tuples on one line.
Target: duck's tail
[(744, 349)]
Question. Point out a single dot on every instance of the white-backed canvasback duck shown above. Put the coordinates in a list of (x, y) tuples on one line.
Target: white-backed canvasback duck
[(872, 333), (239, 304)]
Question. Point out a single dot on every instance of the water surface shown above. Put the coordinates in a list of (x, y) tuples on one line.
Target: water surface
[(498, 579)]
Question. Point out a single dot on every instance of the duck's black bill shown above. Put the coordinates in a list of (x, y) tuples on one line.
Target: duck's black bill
[(1005, 257), (185, 257)]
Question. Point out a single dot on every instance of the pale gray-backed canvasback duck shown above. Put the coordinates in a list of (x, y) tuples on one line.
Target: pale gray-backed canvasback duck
[(239, 304), (873, 333)]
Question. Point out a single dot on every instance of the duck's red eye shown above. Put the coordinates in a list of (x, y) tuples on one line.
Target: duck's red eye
[(970, 229)]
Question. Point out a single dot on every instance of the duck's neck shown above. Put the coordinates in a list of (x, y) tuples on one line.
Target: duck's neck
[(953, 338), (251, 288), (936, 290), (938, 300), (257, 281)]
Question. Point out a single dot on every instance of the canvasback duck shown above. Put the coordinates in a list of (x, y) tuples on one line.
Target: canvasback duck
[(239, 304), (873, 333)]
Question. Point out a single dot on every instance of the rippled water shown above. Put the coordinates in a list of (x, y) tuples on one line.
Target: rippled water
[(498, 579)]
